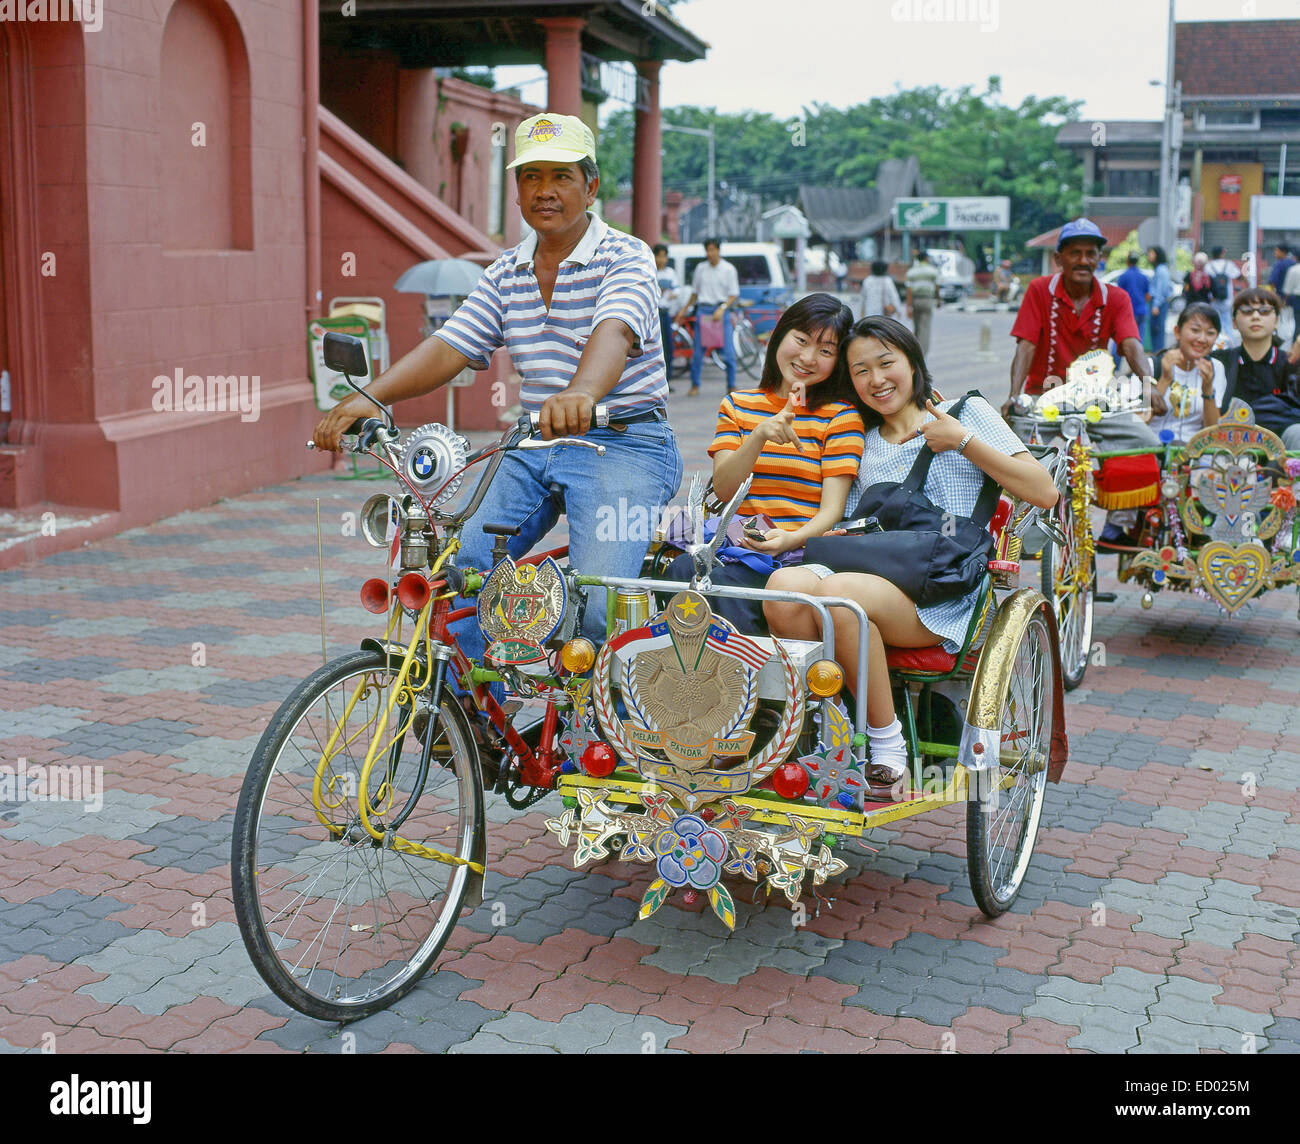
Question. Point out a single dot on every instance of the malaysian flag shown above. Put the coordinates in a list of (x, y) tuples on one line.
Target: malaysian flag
[(737, 646)]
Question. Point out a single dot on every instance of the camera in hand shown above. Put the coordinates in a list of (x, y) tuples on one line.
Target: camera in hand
[(862, 524)]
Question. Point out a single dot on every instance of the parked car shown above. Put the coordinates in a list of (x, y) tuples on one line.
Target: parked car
[(956, 273)]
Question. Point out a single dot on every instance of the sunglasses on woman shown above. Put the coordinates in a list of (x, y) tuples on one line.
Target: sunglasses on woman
[(1248, 310)]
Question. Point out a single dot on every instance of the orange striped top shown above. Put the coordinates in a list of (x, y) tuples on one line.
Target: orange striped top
[(788, 481)]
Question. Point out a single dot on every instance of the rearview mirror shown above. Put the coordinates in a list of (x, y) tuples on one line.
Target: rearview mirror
[(345, 354)]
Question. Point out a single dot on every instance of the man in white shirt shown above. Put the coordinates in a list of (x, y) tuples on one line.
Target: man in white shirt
[(715, 287)]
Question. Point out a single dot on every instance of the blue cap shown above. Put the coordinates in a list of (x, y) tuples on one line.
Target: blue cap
[(1080, 228)]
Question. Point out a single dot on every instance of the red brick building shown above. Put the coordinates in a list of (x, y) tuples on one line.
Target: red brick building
[(183, 186)]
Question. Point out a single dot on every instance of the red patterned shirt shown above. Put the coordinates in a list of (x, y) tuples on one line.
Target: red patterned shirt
[(1047, 318)]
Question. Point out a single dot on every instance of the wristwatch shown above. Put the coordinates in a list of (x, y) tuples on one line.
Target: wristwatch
[(965, 441)]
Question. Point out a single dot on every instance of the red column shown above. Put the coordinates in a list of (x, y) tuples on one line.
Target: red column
[(647, 163), (563, 63)]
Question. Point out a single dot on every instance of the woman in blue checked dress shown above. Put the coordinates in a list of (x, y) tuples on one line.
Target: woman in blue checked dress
[(889, 375)]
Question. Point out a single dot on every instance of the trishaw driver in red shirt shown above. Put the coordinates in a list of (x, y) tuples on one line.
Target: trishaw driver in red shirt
[(1067, 315)]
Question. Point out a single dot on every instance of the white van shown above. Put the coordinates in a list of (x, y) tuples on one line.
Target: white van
[(759, 267)]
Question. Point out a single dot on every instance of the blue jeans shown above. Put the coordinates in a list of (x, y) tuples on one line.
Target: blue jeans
[(613, 503), (1156, 328), (728, 348), (666, 338)]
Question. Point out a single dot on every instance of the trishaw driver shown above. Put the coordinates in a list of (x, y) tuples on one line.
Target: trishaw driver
[(1065, 316), (577, 306)]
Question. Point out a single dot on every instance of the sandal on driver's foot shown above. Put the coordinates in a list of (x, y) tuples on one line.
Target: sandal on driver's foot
[(885, 783)]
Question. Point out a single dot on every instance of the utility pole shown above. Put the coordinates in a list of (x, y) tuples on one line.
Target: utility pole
[(1170, 144), (713, 202)]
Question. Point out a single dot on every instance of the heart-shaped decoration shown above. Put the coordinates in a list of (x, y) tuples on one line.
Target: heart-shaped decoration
[(1232, 574)]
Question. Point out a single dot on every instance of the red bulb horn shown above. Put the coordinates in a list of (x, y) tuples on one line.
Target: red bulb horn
[(414, 591), (375, 596)]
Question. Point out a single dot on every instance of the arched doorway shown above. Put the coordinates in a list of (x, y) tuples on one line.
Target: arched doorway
[(44, 281)]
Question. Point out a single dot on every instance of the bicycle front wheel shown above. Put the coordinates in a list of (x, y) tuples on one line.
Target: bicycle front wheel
[(1069, 580), (338, 922)]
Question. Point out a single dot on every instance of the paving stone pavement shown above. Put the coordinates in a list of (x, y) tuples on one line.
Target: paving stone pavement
[(1160, 914)]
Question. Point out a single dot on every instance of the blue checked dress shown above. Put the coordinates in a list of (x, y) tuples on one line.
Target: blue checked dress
[(953, 485)]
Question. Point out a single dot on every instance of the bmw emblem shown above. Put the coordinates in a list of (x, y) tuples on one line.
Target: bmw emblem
[(423, 463)]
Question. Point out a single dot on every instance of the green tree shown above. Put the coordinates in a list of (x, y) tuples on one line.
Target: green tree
[(967, 142)]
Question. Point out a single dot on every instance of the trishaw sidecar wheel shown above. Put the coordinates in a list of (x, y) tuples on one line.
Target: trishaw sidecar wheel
[(338, 923), (1071, 585), (1002, 825)]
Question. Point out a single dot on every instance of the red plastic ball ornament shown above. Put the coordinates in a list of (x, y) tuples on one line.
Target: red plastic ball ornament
[(599, 760), (790, 780)]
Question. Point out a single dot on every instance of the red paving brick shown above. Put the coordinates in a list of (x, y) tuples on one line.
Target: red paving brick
[(561, 996), (769, 1011)]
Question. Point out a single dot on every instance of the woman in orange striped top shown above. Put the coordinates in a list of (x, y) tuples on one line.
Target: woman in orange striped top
[(801, 437)]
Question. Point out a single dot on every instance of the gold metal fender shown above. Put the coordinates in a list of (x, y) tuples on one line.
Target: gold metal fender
[(988, 688)]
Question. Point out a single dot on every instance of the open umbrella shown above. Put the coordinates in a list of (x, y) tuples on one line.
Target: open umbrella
[(442, 276)]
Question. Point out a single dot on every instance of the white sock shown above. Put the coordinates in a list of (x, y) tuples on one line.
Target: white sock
[(887, 747)]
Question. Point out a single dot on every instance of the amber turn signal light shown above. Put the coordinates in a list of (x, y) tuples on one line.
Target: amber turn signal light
[(578, 655), (375, 596), (825, 678)]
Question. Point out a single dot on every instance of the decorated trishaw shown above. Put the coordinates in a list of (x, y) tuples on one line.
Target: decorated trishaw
[(1215, 515), (716, 758)]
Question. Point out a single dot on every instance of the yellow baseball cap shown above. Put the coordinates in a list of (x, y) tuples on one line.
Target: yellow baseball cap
[(549, 138)]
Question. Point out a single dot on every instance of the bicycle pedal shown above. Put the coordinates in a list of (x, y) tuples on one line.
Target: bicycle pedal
[(1105, 597)]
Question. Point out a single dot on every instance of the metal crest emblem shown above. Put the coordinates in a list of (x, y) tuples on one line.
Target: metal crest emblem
[(689, 686), (519, 608)]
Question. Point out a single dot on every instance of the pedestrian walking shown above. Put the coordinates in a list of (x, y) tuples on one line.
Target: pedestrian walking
[(1223, 273), (1162, 289), (879, 294), (1198, 287), (666, 276), (922, 293), (1283, 261), (1291, 293), (1134, 283)]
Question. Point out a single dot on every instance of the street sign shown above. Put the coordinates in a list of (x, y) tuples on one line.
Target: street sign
[(953, 214)]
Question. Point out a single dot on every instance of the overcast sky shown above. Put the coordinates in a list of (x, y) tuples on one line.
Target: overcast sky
[(777, 56)]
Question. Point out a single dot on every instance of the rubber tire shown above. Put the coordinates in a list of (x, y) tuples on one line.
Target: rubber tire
[(992, 900), (1074, 661), (243, 845)]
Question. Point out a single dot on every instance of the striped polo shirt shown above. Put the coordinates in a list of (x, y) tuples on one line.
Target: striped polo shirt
[(608, 275), (788, 481)]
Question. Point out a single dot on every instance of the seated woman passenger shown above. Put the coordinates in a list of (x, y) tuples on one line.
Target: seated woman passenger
[(888, 372), (1191, 382), (800, 436)]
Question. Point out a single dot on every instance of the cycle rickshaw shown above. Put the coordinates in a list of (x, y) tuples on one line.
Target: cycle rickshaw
[(709, 755), (1215, 516)]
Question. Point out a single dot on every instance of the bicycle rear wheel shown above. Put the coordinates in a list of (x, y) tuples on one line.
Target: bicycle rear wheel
[(338, 923), (748, 355)]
